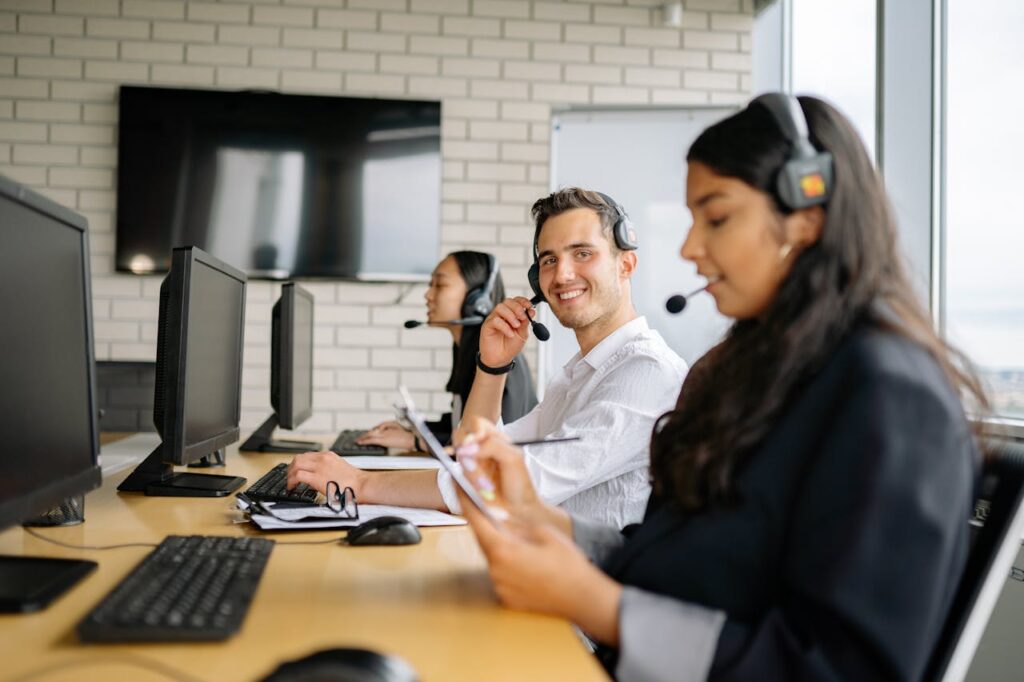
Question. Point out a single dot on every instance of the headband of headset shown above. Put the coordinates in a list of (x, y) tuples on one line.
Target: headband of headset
[(805, 179)]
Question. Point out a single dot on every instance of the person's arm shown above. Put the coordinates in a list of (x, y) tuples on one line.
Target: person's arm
[(502, 337), (405, 488)]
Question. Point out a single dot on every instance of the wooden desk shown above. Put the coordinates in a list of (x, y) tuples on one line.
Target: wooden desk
[(431, 603)]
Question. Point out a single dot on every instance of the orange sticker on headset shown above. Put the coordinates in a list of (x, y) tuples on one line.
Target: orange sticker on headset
[(812, 185)]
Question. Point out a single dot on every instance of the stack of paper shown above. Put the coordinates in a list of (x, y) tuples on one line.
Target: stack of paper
[(317, 516)]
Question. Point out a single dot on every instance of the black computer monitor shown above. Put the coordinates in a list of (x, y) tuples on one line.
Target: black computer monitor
[(291, 372), (197, 399), (48, 430)]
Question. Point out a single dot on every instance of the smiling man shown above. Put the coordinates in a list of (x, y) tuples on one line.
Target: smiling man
[(609, 394)]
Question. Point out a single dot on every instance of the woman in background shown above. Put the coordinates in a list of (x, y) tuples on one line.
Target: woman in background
[(461, 279), (811, 490)]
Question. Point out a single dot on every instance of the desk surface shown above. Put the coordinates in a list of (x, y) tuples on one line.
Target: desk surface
[(430, 603)]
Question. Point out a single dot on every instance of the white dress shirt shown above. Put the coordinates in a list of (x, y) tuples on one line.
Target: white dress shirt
[(610, 398)]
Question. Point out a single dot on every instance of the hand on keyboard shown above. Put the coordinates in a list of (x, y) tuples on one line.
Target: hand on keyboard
[(273, 487), (388, 434), (346, 445)]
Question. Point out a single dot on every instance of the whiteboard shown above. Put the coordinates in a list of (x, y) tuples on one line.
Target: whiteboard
[(638, 158)]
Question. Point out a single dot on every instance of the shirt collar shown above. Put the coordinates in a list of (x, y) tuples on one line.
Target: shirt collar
[(608, 346)]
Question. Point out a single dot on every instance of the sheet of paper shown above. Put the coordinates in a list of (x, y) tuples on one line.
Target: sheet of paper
[(389, 463), (325, 518)]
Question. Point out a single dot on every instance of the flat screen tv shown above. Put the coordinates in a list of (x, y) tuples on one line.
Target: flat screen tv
[(279, 185)]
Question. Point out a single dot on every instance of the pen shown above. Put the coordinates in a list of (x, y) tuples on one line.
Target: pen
[(521, 443)]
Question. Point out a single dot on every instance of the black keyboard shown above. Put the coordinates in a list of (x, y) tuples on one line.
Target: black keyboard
[(190, 588), (345, 445), (271, 488)]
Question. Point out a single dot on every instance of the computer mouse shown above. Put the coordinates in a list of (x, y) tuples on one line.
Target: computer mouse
[(384, 530), (344, 665)]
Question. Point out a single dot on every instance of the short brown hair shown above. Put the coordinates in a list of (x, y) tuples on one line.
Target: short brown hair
[(568, 198)]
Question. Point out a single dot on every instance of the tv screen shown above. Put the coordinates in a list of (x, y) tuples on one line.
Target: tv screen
[(279, 185)]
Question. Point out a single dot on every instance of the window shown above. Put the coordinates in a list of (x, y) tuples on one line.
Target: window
[(834, 47), (984, 233)]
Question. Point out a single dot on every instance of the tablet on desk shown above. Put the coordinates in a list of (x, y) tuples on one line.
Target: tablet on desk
[(435, 448)]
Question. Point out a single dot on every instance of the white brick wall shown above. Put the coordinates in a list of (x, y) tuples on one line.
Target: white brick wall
[(499, 66)]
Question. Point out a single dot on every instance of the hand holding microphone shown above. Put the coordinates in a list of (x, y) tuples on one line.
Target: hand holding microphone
[(505, 331)]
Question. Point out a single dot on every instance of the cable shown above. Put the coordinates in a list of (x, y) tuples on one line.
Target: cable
[(35, 534), (311, 542), (148, 544), (153, 666)]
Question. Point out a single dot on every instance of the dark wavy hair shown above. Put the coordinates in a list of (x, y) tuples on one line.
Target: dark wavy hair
[(737, 391)]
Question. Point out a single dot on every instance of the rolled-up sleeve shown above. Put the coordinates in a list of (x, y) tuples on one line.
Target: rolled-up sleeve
[(596, 540), (662, 638)]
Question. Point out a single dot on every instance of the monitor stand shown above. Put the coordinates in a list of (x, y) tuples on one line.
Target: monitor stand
[(205, 462), (260, 440), (30, 583), (154, 477)]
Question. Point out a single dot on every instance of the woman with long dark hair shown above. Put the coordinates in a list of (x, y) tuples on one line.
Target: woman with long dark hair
[(811, 490), (459, 275)]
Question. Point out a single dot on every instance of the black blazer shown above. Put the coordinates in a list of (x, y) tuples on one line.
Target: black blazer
[(517, 399), (841, 558)]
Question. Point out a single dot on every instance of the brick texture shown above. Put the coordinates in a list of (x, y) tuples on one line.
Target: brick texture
[(499, 66)]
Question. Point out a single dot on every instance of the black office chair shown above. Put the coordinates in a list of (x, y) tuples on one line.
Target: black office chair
[(993, 550)]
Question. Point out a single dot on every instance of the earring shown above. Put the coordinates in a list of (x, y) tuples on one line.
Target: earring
[(784, 251)]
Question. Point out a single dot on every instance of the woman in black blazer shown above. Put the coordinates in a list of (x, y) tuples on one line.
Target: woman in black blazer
[(463, 285), (811, 490)]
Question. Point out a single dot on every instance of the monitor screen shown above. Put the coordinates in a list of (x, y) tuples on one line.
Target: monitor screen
[(199, 356), (48, 426), (293, 356), (279, 185)]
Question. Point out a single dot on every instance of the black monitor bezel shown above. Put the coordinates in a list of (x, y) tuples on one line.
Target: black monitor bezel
[(172, 431), (21, 507), (284, 353)]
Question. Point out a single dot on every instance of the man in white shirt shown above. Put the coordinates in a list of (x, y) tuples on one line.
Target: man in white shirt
[(624, 377)]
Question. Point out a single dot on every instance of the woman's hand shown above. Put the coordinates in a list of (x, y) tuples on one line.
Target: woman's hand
[(535, 567), (497, 468), (315, 469), (505, 331), (389, 434)]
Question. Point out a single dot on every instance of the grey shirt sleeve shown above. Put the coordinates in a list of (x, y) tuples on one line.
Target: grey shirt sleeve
[(595, 540), (662, 638)]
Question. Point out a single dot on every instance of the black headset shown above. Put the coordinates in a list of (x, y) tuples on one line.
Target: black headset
[(622, 231), (479, 300), (806, 178)]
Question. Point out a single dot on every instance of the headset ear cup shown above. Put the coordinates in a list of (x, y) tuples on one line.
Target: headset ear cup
[(625, 235), (534, 276)]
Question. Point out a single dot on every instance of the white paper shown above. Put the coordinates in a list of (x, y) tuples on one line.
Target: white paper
[(328, 519)]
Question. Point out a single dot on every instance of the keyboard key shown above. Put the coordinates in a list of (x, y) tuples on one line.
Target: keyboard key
[(271, 487)]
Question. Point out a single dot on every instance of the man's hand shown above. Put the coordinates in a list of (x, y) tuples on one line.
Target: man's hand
[(315, 469), (505, 331)]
